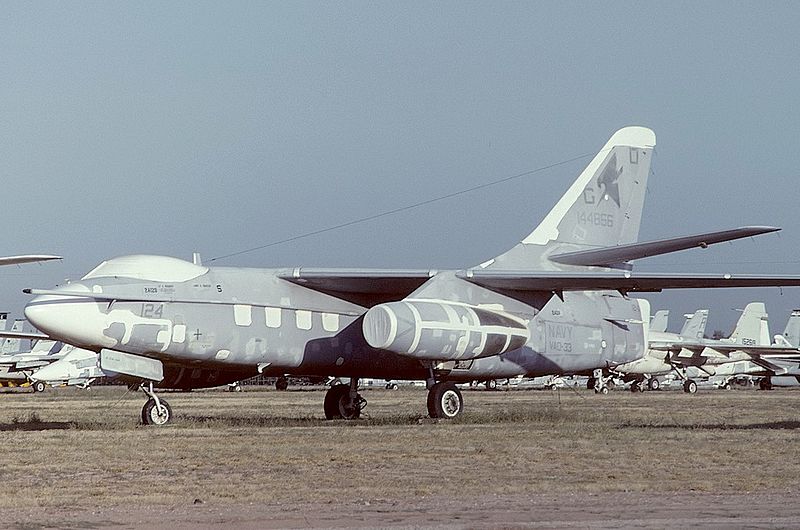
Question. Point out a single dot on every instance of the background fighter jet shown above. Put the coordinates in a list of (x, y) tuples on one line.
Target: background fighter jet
[(554, 303)]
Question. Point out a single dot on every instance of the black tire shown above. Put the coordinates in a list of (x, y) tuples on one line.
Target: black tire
[(636, 387), (491, 384), (653, 384), (726, 386), (281, 384), (392, 386), (445, 401), (150, 415), (590, 383), (339, 406), (765, 384), (603, 390), (39, 386), (690, 387)]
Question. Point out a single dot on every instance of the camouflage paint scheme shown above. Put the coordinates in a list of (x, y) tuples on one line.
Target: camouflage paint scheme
[(213, 325)]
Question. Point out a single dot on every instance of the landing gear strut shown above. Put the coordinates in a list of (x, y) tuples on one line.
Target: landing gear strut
[(344, 401), (156, 411)]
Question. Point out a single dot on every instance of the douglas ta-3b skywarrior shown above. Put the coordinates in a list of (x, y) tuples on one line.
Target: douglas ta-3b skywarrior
[(555, 303)]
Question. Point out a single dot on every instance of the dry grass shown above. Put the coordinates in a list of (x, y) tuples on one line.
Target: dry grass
[(85, 448)]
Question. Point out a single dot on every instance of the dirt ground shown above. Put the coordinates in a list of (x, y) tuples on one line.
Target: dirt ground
[(267, 459)]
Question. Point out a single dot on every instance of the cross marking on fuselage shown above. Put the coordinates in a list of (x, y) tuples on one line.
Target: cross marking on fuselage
[(197, 334)]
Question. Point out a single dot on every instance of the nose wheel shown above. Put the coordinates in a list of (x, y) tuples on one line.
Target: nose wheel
[(156, 411)]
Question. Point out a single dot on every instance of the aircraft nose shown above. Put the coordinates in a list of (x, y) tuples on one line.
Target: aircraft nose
[(72, 319)]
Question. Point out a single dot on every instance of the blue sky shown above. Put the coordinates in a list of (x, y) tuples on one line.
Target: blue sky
[(169, 128)]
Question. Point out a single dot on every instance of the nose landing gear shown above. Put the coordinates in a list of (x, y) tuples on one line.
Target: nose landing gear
[(156, 411)]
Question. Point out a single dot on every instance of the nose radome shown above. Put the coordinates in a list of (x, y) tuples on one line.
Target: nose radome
[(73, 319)]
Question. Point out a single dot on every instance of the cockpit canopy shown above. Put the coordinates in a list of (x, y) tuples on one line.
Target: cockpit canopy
[(148, 268)]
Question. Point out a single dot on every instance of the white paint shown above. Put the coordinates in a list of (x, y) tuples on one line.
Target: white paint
[(273, 317), (243, 314), (150, 268), (179, 333), (222, 355), (303, 319), (330, 322)]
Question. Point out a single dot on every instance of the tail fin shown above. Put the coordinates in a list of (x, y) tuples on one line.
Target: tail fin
[(792, 331), (753, 327), (660, 320), (13, 345), (695, 325), (602, 208)]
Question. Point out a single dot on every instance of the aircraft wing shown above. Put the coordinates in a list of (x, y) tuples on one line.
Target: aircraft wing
[(503, 280), (610, 256), (366, 287), (30, 258)]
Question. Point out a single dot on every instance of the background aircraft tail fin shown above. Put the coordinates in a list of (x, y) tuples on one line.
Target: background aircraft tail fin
[(12, 345), (695, 325), (660, 320), (792, 331), (752, 326), (602, 208)]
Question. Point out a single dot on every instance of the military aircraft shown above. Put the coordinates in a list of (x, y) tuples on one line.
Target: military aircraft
[(555, 303), (76, 367), (644, 372)]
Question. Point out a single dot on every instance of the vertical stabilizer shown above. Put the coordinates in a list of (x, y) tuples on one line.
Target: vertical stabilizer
[(602, 208), (695, 325), (13, 345), (660, 320), (753, 327), (792, 331)]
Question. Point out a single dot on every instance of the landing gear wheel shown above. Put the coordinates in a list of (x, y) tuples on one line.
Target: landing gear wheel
[(653, 384), (281, 384), (636, 387), (726, 386), (153, 414), (391, 386), (445, 401), (590, 383), (689, 386), (765, 384), (491, 384), (338, 404), (38, 386), (603, 390)]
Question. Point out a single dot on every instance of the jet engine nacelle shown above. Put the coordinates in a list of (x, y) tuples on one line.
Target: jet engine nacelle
[(440, 330)]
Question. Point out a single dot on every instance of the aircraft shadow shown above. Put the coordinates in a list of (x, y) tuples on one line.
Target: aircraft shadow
[(774, 425), (38, 426)]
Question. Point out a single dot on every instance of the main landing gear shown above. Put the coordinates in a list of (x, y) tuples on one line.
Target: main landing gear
[(344, 401), (445, 400), (156, 411)]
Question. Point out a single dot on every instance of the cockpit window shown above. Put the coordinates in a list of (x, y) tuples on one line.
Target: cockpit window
[(149, 268)]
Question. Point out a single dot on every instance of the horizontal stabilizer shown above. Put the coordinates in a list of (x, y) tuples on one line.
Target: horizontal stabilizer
[(627, 282), (613, 256), (31, 258)]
